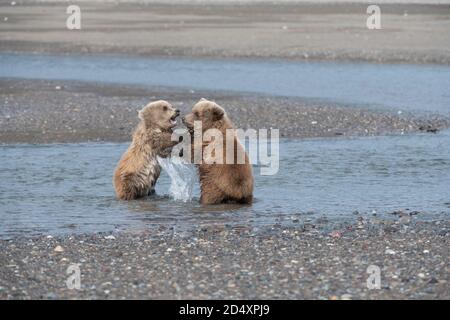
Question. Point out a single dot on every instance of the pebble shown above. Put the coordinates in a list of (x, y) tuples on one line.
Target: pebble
[(335, 234), (58, 249), (389, 251), (51, 296)]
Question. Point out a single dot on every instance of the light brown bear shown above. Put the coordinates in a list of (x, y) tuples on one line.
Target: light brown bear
[(226, 182), (138, 169)]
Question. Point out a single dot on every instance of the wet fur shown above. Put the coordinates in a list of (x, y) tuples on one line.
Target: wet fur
[(221, 183), (138, 169)]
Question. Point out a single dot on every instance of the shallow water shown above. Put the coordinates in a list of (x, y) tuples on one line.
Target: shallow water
[(67, 188), (398, 87)]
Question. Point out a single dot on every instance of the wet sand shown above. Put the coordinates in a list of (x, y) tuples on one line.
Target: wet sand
[(39, 111), (412, 33), (290, 260)]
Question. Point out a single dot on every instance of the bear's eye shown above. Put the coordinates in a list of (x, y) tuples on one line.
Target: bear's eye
[(196, 114), (165, 108)]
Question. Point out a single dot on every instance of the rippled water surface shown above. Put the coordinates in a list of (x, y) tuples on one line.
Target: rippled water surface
[(398, 87), (66, 188)]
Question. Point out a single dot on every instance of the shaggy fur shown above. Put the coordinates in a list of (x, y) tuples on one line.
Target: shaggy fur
[(220, 182), (138, 169)]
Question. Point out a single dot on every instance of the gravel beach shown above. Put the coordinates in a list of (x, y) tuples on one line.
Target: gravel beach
[(38, 111), (290, 260)]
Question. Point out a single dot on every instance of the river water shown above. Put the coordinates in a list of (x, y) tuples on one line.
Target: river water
[(420, 88), (67, 188)]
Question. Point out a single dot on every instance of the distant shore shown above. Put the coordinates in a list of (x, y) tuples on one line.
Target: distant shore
[(411, 32), (40, 111)]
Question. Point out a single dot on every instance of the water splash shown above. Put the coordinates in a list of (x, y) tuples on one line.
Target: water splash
[(182, 177)]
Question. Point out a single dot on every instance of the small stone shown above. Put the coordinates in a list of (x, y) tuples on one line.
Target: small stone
[(110, 237), (346, 297), (421, 275), (433, 281), (58, 249), (51, 296), (404, 220), (389, 251), (442, 233), (390, 229), (335, 234)]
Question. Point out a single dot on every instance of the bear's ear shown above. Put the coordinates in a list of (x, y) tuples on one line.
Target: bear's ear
[(217, 112), (202, 99)]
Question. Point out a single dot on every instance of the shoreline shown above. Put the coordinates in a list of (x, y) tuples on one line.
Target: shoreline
[(41, 111), (411, 33), (296, 261)]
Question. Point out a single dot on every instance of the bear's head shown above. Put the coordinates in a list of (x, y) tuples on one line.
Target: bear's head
[(159, 115), (208, 112)]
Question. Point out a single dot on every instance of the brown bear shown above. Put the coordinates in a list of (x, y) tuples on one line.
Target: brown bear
[(138, 169), (220, 182)]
